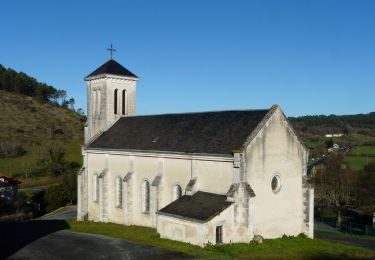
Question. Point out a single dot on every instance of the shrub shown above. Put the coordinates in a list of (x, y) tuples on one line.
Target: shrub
[(11, 150), (54, 197)]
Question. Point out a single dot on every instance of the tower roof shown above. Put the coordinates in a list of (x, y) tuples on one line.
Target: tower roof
[(112, 67)]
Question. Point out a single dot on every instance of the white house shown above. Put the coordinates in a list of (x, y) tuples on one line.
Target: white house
[(210, 177)]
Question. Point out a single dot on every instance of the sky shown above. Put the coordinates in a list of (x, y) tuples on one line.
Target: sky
[(310, 57)]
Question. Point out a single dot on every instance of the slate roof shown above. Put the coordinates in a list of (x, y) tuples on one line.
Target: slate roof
[(202, 133), (112, 67), (201, 206)]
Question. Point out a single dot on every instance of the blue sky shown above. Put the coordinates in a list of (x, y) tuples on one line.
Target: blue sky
[(310, 57)]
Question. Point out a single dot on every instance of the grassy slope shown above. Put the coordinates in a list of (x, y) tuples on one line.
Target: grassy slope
[(288, 248), (31, 124)]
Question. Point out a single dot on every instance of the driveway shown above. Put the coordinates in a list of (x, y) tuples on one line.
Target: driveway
[(326, 232), (70, 245), (46, 238), (66, 213)]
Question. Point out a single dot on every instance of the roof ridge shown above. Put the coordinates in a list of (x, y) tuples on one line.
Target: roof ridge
[(199, 112)]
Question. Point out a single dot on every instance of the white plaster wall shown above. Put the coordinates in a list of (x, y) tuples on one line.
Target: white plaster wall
[(198, 233), (118, 167), (211, 178), (96, 118), (276, 150), (176, 172), (120, 84), (182, 230), (215, 177), (96, 163), (225, 219), (100, 101)]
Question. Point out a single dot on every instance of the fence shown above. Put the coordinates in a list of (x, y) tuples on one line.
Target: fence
[(349, 227)]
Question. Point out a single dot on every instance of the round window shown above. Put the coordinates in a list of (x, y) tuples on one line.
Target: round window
[(276, 183)]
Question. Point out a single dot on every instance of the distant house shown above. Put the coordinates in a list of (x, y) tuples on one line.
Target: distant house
[(334, 135), (8, 188)]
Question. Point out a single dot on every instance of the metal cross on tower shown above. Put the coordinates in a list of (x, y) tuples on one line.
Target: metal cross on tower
[(111, 50)]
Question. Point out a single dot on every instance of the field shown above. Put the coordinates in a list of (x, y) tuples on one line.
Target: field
[(357, 163), (283, 248), (360, 156)]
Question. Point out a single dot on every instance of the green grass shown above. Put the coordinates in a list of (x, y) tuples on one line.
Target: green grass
[(364, 150), (283, 248), (28, 194), (357, 163), (28, 163), (313, 143)]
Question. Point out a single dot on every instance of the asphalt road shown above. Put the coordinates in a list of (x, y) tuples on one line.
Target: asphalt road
[(46, 238), (69, 212), (70, 245), (35, 188), (333, 235)]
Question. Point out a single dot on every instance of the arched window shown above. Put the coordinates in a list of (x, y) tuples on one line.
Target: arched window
[(95, 188), (177, 192), (115, 102), (276, 184), (93, 105), (98, 101), (118, 186), (145, 196), (124, 102)]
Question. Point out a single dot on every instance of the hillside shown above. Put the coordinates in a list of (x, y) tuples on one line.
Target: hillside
[(29, 127), (319, 125)]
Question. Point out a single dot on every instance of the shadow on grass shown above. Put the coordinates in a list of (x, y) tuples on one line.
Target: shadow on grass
[(14, 236)]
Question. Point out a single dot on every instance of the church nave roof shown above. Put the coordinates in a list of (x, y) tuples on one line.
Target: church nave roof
[(200, 133)]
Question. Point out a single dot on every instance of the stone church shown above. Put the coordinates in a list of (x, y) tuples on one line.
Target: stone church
[(207, 177)]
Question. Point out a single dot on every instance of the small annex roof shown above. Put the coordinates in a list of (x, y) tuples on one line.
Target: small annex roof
[(112, 67), (219, 132), (201, 206)]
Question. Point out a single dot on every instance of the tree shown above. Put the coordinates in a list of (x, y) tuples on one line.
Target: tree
[(335, 185), (72, 103), (53, 160), (329, 143), (54, 197), (62, 96)]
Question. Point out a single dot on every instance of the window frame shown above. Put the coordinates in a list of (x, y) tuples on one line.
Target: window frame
[(95, 187), (146, 196), (278, 183), (219, 234), (115, 102), (118, 192)]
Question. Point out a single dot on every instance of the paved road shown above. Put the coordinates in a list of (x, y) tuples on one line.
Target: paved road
[(35, 188), (46, 238), (366, 243), (70, 245), (334, 235), (69, 212)]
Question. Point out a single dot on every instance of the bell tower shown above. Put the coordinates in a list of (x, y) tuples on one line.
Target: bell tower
[(111, 94)]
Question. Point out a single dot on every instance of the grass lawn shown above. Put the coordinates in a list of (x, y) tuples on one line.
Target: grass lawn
[(357, 163), (364, 150), (28, 163), (38, 181), (283, 248)]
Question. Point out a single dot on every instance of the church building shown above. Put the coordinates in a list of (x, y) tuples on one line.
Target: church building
[(208, 177)]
